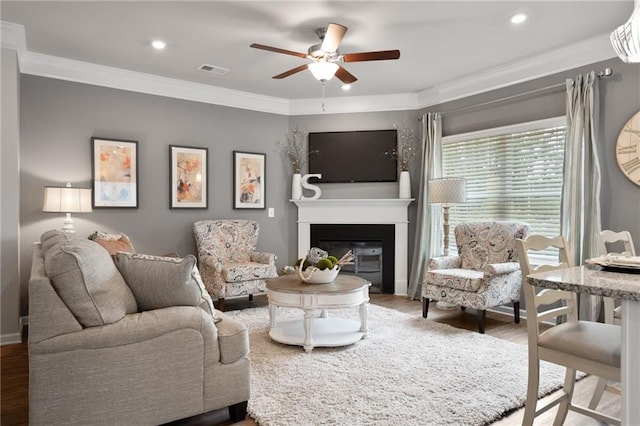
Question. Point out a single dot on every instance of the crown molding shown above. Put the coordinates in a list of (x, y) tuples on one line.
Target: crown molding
[(117, 78), (13, 36), (582, 53)]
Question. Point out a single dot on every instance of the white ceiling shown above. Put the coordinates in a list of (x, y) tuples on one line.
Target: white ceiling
[(439, 41)]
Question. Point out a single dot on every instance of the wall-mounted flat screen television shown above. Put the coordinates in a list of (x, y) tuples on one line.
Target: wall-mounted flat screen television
[(357, 156)]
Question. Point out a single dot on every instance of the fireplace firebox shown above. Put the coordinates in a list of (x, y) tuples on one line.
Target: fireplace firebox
[(373, 246)]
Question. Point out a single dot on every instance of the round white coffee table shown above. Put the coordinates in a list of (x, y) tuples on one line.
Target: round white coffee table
[(317, 328)]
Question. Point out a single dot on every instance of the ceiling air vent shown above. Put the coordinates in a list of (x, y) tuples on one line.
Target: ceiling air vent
[(213, 69)]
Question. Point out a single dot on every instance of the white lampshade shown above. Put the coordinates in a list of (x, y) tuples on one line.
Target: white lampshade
[(626, 38), (447, 191), (66, 200), (323, 71)]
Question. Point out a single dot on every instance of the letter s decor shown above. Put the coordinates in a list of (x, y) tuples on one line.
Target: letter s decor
[(306, 185)]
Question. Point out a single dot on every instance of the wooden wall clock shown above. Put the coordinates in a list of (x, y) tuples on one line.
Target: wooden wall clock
[(628, 149)]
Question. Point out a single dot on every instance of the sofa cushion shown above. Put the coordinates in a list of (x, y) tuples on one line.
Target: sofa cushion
[(159, 282), (113, 243), (238, 272), (86, 279), (461, 279)]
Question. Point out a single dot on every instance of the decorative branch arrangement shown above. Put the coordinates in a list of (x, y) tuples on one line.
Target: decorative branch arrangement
[(293, 150), (408, 143)]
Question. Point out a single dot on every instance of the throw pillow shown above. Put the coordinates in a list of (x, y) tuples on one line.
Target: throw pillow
[(86, 279), (113, 243), (159, 282)]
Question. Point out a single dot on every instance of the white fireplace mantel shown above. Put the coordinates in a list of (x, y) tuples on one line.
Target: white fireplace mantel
[(360, 211)]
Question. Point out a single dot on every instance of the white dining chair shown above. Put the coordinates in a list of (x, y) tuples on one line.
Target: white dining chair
[(605, 240), (576, 345), (612, 315)]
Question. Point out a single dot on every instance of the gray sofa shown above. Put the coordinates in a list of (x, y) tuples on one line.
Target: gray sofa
[(131, 342)]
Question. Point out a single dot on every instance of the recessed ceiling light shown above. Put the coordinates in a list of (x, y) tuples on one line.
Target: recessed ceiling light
[(346, 87), (518, 18), (158, 44)]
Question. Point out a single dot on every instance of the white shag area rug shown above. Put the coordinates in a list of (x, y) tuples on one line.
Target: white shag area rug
[(408, 371)]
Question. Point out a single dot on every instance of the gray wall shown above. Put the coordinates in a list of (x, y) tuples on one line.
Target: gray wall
[(10, 198), (619, 100), (58, 119)]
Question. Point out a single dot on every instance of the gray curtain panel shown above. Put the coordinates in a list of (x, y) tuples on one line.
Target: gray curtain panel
[(581, 184), (428, 218)]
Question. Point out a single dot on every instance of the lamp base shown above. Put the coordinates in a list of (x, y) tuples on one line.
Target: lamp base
[(68, 224), (445, 306)]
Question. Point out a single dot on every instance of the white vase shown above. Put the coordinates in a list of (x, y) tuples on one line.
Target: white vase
[(404, 185), (296, 187)]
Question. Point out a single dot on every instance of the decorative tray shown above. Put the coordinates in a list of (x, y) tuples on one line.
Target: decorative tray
[(617, 263)]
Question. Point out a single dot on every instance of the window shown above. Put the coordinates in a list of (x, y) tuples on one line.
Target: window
[(512, 173)]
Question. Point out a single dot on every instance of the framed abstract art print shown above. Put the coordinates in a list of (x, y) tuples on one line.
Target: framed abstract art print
[(249, 170), (189, 177), (115, 173)]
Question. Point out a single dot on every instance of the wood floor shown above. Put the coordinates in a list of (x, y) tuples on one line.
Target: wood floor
[(15, 370)]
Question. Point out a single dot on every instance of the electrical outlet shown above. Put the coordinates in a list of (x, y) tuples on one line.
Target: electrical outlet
[(271, 212)]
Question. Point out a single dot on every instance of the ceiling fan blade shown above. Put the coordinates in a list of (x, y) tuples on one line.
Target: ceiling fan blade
[(333, 37), (345, 76), (292, 71), (382, 55), (278, 50)]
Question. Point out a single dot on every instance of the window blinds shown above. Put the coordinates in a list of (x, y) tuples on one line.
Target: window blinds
[(513, 173)]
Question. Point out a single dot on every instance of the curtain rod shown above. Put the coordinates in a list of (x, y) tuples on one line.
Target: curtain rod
[(608, 72)]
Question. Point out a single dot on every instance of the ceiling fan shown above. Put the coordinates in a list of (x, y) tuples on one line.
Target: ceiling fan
[(325, 56)]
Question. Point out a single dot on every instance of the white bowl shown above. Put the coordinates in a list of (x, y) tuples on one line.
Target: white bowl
[(322, 276)]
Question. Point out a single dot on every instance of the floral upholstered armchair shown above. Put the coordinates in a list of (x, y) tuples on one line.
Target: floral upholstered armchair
[(485, 273), (228, 261)]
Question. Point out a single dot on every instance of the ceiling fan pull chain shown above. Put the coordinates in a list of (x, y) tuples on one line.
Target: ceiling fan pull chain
[(323, 96)]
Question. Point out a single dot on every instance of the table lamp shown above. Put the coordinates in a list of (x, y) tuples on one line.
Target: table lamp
[(67, 200), (447, 191)]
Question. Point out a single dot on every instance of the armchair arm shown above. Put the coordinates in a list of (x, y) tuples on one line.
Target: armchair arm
[(444, 262), (211, 272), (211, 262), (266, 258), (132, 329), (501, 268)]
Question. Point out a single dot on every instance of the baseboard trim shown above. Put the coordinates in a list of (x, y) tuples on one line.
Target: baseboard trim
[(13, 338), (10, 339)]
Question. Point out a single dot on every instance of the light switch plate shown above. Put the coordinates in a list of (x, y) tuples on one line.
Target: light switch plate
[(271, 212)]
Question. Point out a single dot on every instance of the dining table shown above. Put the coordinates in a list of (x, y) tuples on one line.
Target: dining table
[(618, 283)]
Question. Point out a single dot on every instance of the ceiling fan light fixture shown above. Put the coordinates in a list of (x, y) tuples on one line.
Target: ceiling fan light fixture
[(626, 38), (323, 71)]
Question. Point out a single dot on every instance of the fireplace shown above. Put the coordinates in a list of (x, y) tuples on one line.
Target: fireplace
[(372, 245), (391, 213)]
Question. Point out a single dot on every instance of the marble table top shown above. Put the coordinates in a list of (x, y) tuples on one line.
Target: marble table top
[(590, 280)]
